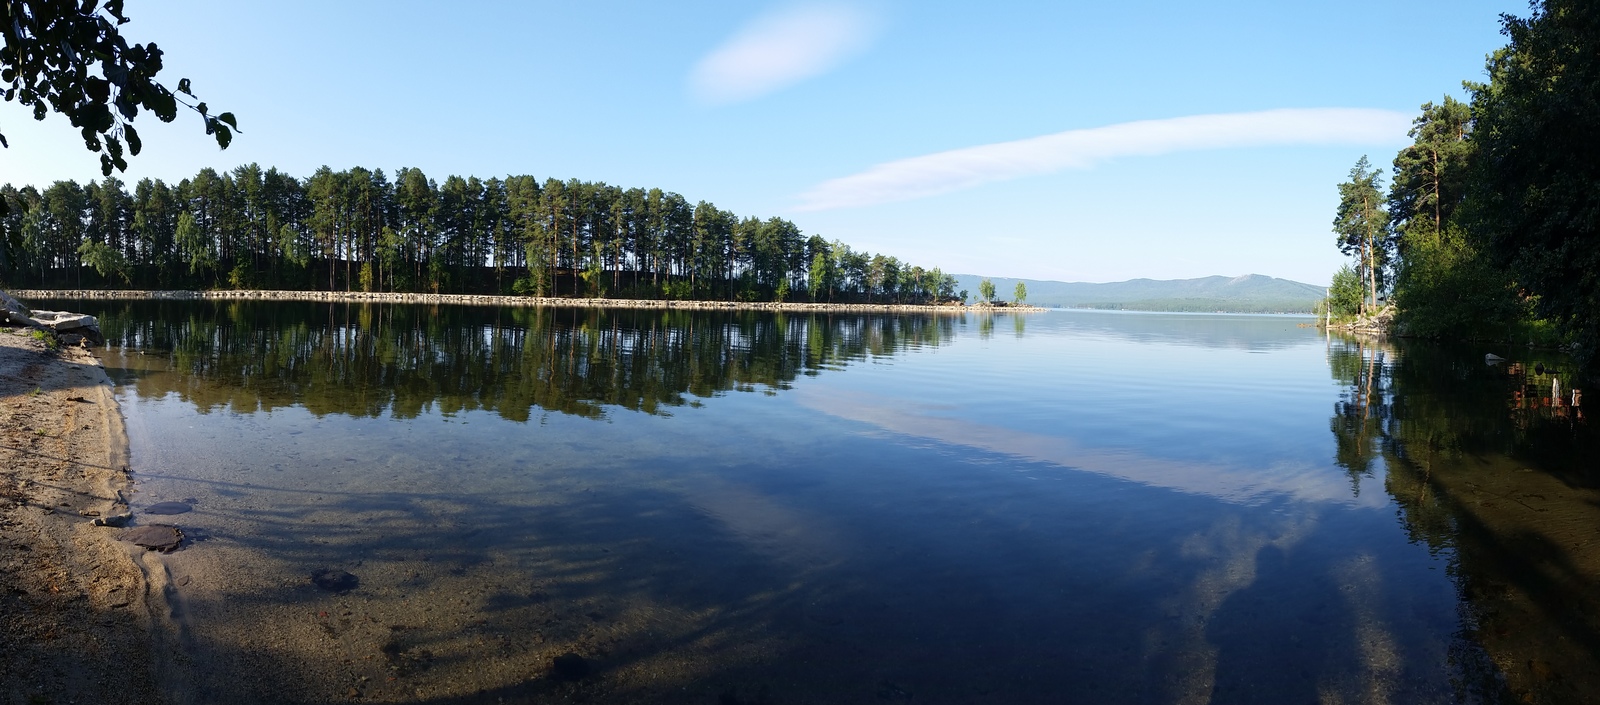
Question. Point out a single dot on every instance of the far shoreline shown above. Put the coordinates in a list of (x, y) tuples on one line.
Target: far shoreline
[(511, 301)]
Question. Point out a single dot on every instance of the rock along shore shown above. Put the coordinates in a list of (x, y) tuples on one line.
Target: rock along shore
[(524, 301)]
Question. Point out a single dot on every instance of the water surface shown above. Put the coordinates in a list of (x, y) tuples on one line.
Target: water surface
[(741, 508)]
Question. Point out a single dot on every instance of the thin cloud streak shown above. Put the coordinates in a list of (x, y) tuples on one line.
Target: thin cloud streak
[(781, 49), (944, 172)]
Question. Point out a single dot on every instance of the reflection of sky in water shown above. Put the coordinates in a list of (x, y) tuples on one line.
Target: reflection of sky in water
[(1247, 401), (1146, 512)]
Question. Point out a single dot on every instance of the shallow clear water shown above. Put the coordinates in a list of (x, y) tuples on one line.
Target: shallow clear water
[(742, 508)]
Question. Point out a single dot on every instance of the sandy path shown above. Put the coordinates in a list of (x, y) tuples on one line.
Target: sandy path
[(76, 611)]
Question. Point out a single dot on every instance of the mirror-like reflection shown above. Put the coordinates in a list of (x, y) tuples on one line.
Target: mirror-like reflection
[(1491, 465), (397, 360), (1096, 507)]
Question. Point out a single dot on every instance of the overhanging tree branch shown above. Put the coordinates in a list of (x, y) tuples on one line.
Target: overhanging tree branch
[(53, 48)]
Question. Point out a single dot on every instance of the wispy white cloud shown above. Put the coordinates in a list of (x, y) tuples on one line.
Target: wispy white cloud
[(780, 49), (943, 172)]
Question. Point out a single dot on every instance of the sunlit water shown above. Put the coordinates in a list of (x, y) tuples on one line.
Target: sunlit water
[(1054, 507)]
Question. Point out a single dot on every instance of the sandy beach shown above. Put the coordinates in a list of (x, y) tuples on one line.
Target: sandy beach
[(77, 615)]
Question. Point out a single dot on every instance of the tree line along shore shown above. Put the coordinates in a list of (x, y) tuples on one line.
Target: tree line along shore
[(946, 307), (359, 230), (1487, 227)]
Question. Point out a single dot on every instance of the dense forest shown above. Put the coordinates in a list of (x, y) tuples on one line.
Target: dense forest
[(1487, 229), (358, 230)]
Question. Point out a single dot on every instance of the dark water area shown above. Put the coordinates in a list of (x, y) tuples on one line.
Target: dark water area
[(615, 506)]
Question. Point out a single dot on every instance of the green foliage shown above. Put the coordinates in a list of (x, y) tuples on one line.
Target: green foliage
[(193, 245), (822, 276), (1362, 225), (1430, 175), (239, 276), (525, 286), (52, 49), (105, 260), (986, 290), (1534, 192), (1021, 293), (1447, 288), (356, 229), (49, 341), (1344, 293)]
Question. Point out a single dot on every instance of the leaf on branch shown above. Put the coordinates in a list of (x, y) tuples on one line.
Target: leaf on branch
[(134, 145), (126, 107), (183, 83), (224, 135), (98, 89)]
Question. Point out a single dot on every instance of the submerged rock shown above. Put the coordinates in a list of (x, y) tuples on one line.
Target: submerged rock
[(334, 580), (156, 537), (167, 508)]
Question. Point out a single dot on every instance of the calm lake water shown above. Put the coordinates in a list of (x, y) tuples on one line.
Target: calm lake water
[(755, 508)]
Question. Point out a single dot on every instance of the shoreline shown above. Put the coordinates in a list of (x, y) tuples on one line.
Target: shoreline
[(496, 300), (87, 613)]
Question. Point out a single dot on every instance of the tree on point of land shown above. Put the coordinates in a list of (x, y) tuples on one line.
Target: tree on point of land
[(1021, 294), (986, 290), (1362, 224), (1344, 296)]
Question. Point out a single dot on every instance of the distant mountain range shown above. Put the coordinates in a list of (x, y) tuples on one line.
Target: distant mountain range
[(1251, 293)]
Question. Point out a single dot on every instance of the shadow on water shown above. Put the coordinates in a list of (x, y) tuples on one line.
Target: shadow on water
[(842, 562), (1491, 470), (662, 597), (649, 594)]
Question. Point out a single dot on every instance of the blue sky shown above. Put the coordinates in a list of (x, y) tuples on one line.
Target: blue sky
[(1047, 140)]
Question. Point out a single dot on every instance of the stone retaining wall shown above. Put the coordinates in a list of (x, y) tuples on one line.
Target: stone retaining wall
[(475, 300)]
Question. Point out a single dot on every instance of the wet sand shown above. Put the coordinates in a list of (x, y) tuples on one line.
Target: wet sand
[(79, 620)]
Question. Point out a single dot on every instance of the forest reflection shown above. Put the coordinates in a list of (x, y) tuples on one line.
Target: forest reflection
[(368, 360), (1492, 466)]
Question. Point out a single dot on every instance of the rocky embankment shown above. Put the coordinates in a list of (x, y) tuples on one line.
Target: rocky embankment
[(1379, 323), (528, 301), (69, 328)]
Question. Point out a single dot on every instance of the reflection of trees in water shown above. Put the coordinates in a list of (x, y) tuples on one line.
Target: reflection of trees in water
[(368, 360), (1365, 407), (1503, 482)]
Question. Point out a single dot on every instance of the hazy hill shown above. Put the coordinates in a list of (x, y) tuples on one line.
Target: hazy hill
[(1251, 293)]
